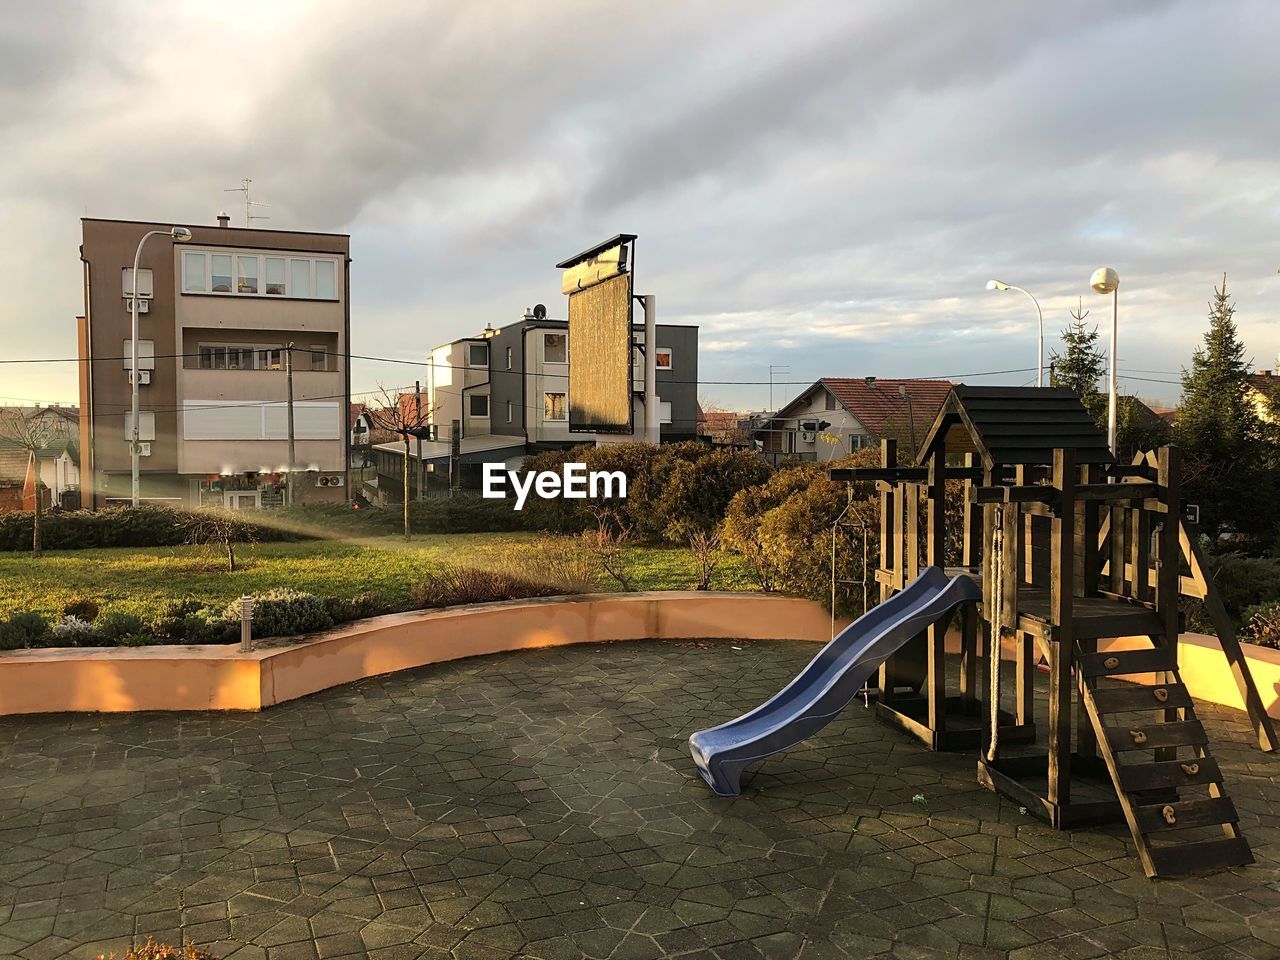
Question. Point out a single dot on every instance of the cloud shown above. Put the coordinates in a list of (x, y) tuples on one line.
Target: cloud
[(826, 186)]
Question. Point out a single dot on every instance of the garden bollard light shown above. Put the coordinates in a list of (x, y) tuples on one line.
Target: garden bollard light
[(246, 624)]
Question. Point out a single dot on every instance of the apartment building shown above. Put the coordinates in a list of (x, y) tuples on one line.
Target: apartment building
[(216, 317)]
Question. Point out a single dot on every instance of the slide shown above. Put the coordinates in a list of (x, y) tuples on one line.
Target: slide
[(832, 679)]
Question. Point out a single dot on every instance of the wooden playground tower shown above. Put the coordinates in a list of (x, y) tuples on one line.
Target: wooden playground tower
[(1072, 549)]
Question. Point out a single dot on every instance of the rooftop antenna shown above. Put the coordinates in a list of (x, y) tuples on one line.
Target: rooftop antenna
[(249, 215)]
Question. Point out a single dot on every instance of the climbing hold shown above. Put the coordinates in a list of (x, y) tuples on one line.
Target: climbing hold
[(1167, 813), (1161, 694), (1139, 737), (1190, 769), (1111, 663)]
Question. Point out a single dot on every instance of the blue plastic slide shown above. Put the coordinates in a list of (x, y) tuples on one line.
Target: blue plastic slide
[(830, 681)]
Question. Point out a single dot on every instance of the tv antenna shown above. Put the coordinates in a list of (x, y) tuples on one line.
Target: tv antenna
[(249, 215)]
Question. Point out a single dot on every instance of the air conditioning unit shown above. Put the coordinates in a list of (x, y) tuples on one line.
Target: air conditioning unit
[(144, 377), (144, 304), (330, 480), (144, 449), (808, 436)]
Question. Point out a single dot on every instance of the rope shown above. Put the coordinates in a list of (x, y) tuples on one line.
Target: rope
[(997, 631)]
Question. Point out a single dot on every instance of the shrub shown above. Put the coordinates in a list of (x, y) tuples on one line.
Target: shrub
[(170, 623), (117, 625), (697, 492), (71, 631), (282, 613), (82, 608), (454, 586), (1245, 582), (22, 630), (161, 951), (1262, 625), (360, 607), (117, 527)]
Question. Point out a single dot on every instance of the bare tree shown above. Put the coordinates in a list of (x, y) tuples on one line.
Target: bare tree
[(707, 554), (220, 528), (32, 435), (403, 415)]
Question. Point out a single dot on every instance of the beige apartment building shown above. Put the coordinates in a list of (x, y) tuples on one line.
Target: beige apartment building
[(216, 316)]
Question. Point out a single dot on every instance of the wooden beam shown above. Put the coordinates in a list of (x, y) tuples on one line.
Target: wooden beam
[(1061, 604), (1033, 493), (1119, 491)]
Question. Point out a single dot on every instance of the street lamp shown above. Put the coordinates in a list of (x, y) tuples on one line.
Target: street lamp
[(1000, 285), (178, 235), (1106, 280)]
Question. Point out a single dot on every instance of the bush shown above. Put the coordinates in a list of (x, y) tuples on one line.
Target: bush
[(1245, 582), (116, 626), (22, 630), (452, 586), (360, 607), (282, 613), (117, 527), (71, 631), (697, 492), (82, 608), (1262, 625)]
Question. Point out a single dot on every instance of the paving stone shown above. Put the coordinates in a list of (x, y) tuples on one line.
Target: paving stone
[(541, 804)]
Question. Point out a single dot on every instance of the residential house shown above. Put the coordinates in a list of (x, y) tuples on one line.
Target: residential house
[(838, 415), (15, 477), (1264, 393), (218, 316), (506, 390)]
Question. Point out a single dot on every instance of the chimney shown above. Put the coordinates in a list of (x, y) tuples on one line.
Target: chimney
[(224, 219)]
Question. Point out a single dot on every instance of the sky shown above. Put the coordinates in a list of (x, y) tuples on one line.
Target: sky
[(824, 187)]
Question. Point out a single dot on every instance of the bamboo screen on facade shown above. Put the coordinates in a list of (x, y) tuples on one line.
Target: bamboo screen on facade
[(600, 375)]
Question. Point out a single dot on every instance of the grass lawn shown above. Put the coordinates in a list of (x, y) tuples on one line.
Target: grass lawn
[(141, 581)]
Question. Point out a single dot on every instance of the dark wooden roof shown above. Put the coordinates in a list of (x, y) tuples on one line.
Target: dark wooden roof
[(1016, 425)]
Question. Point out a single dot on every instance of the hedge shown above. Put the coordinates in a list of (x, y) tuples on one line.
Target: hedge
[(145, 526)]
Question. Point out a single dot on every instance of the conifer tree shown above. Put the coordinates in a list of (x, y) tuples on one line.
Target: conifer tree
[(1081, 364)]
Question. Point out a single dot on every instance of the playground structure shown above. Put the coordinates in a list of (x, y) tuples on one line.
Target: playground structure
[(1071, 550)]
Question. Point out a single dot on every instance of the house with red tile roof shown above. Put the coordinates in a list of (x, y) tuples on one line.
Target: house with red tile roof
[(838, 415)]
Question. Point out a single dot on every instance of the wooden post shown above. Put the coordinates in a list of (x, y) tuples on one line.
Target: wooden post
[(890, 555), (1062, 641), (936, 547)]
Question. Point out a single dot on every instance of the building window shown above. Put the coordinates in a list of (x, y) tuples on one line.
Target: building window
[(205, 272), (555, 348), (146, 354), (554, 407), (146, 425), (271, 358), (221, 272), (662, 358), (508, 358), (299, 278), (326, 285), (319, 358), (225, 357), (247, 275), (274, 276), (479, 404), (478, 355), (511, 408), (144, 282), (193, 272)]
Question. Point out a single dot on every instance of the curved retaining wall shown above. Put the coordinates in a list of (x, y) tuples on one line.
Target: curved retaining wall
[(219, 677)]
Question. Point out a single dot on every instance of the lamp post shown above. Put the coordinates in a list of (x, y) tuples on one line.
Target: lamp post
[(1106, 280), (178, 235), (1001, 285)]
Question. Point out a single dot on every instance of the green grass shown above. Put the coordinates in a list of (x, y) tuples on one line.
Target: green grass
[(142, 581)]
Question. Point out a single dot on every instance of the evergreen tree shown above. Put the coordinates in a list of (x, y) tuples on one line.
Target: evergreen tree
[(1081, 364), (1220, 433)]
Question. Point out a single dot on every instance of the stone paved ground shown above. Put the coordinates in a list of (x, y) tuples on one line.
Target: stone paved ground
[(542, 804)]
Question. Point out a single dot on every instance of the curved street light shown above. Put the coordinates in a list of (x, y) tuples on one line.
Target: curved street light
[(1106, 280), (178, 235), (1001, 285)]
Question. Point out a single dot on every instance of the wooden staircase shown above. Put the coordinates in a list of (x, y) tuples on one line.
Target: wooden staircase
[(1170, 788)]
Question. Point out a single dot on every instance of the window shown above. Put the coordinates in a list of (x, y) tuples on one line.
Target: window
[(146, 425), (146, 354), (662, 358), (144, 282), (221, 273), (555, 348), (246, 275), (511, 407), (319, 357), (508, 358), (478, 355), (271, 358), (225, 357), (326, 285), (193, 278), (275, 276), (254, 274), (554, 407), (479, 404), (299, 278)]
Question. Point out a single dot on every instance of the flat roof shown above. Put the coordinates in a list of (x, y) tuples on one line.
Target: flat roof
[(213, 226)]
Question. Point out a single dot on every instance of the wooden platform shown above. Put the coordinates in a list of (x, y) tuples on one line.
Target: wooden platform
[(1093, 618)]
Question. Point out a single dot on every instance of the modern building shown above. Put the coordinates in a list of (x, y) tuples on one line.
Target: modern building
[(838, 415), (217, 317), (508, 391)]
